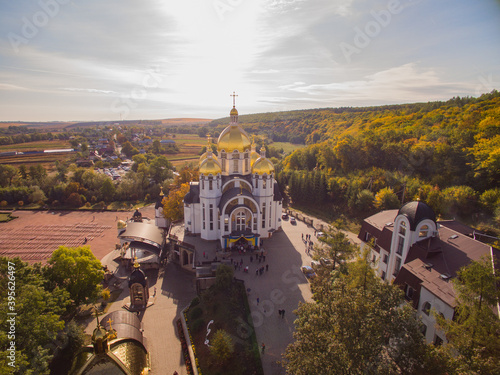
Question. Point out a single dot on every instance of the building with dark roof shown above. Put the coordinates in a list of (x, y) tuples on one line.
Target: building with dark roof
[(415, 251), (236, 198)]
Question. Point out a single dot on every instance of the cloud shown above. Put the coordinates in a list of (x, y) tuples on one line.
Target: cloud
[(89, 90), (8, 86)]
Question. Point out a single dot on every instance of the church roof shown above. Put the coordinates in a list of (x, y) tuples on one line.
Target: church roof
[(232, 193), (233, 138), (143, 232), (193, 196), (263, 166), (416, 212), (210, 166), (137, 277), (277, 193)]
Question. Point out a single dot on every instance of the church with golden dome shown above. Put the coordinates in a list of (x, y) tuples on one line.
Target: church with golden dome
[(236, 198)]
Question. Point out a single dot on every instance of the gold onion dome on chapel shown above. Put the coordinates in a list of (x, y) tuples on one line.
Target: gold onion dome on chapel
[(210, 166), (262, 165), (233, 137)]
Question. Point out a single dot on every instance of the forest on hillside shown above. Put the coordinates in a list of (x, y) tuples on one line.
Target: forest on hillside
[(444, 153), (360, 160)]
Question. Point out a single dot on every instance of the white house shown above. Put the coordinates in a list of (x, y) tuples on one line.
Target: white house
[(410, 248)]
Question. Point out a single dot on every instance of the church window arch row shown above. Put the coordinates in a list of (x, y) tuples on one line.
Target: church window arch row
[(248, 202), (232, 184)]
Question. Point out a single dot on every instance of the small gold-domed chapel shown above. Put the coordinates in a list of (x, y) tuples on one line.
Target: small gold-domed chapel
[(236, 197)]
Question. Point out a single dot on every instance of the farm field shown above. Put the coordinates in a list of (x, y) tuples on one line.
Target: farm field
[(34, 146), (46, 160)]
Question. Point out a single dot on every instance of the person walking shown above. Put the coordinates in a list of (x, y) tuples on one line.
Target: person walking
[(263, 346), (267, 267), (283, 314), (258, 300)]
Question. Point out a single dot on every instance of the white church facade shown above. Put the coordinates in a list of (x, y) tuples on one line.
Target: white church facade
[(236, 197)]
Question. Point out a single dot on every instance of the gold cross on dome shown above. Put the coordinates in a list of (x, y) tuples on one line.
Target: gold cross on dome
[(109, 322), (234, 98)]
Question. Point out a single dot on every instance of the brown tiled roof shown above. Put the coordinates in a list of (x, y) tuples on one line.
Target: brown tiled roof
[(381, 227), (447, 253), (431, 280)]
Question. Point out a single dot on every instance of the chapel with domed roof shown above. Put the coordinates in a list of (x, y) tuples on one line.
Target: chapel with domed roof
[(236, 198)]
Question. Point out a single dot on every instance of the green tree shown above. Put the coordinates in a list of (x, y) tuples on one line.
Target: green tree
[(38, 319), (224, 277), (359, 325), (365, 201), (7, 174), (334, 245), (474, 333), (386, 199), (108, 189), (222, 347), (78, 271)]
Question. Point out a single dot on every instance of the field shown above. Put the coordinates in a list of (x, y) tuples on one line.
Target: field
[(287, 147), (34, 146), (190, 146)]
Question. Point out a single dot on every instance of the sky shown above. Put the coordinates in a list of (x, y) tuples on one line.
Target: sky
[(74, 60)]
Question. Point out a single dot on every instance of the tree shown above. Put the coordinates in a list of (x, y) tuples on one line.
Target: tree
[(78, 271), (7, 174), (107, 189), (173, 204), (334, 245), (38, 319), (474, 333), (386, 199), (224, 276), (359, 325), (222, 346), (364, 201)]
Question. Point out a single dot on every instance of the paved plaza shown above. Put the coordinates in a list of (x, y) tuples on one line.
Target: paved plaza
[(35, 234)]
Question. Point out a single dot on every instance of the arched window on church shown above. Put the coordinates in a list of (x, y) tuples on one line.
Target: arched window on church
[(424, 230), (202, 182), (264, 182), (247, 162), (401, 238), (256, 181), (210, 183), (223, 161)]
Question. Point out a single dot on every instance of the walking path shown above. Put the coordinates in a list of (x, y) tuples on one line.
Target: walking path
[(281, 287)]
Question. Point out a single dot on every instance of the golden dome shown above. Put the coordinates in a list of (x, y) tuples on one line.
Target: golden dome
[(233, 138), (121, 224), (210, 166), (205, 155), (253, 157), (263, 165), (234, 112)]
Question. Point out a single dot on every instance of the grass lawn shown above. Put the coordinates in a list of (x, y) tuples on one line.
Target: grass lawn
[(286, 146), (229, 311), (5, 217)]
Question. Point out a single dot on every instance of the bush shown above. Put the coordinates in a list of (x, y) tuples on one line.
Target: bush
[(3, 203), (20, 203), (195, 313), (195, 302), (197, 325)]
